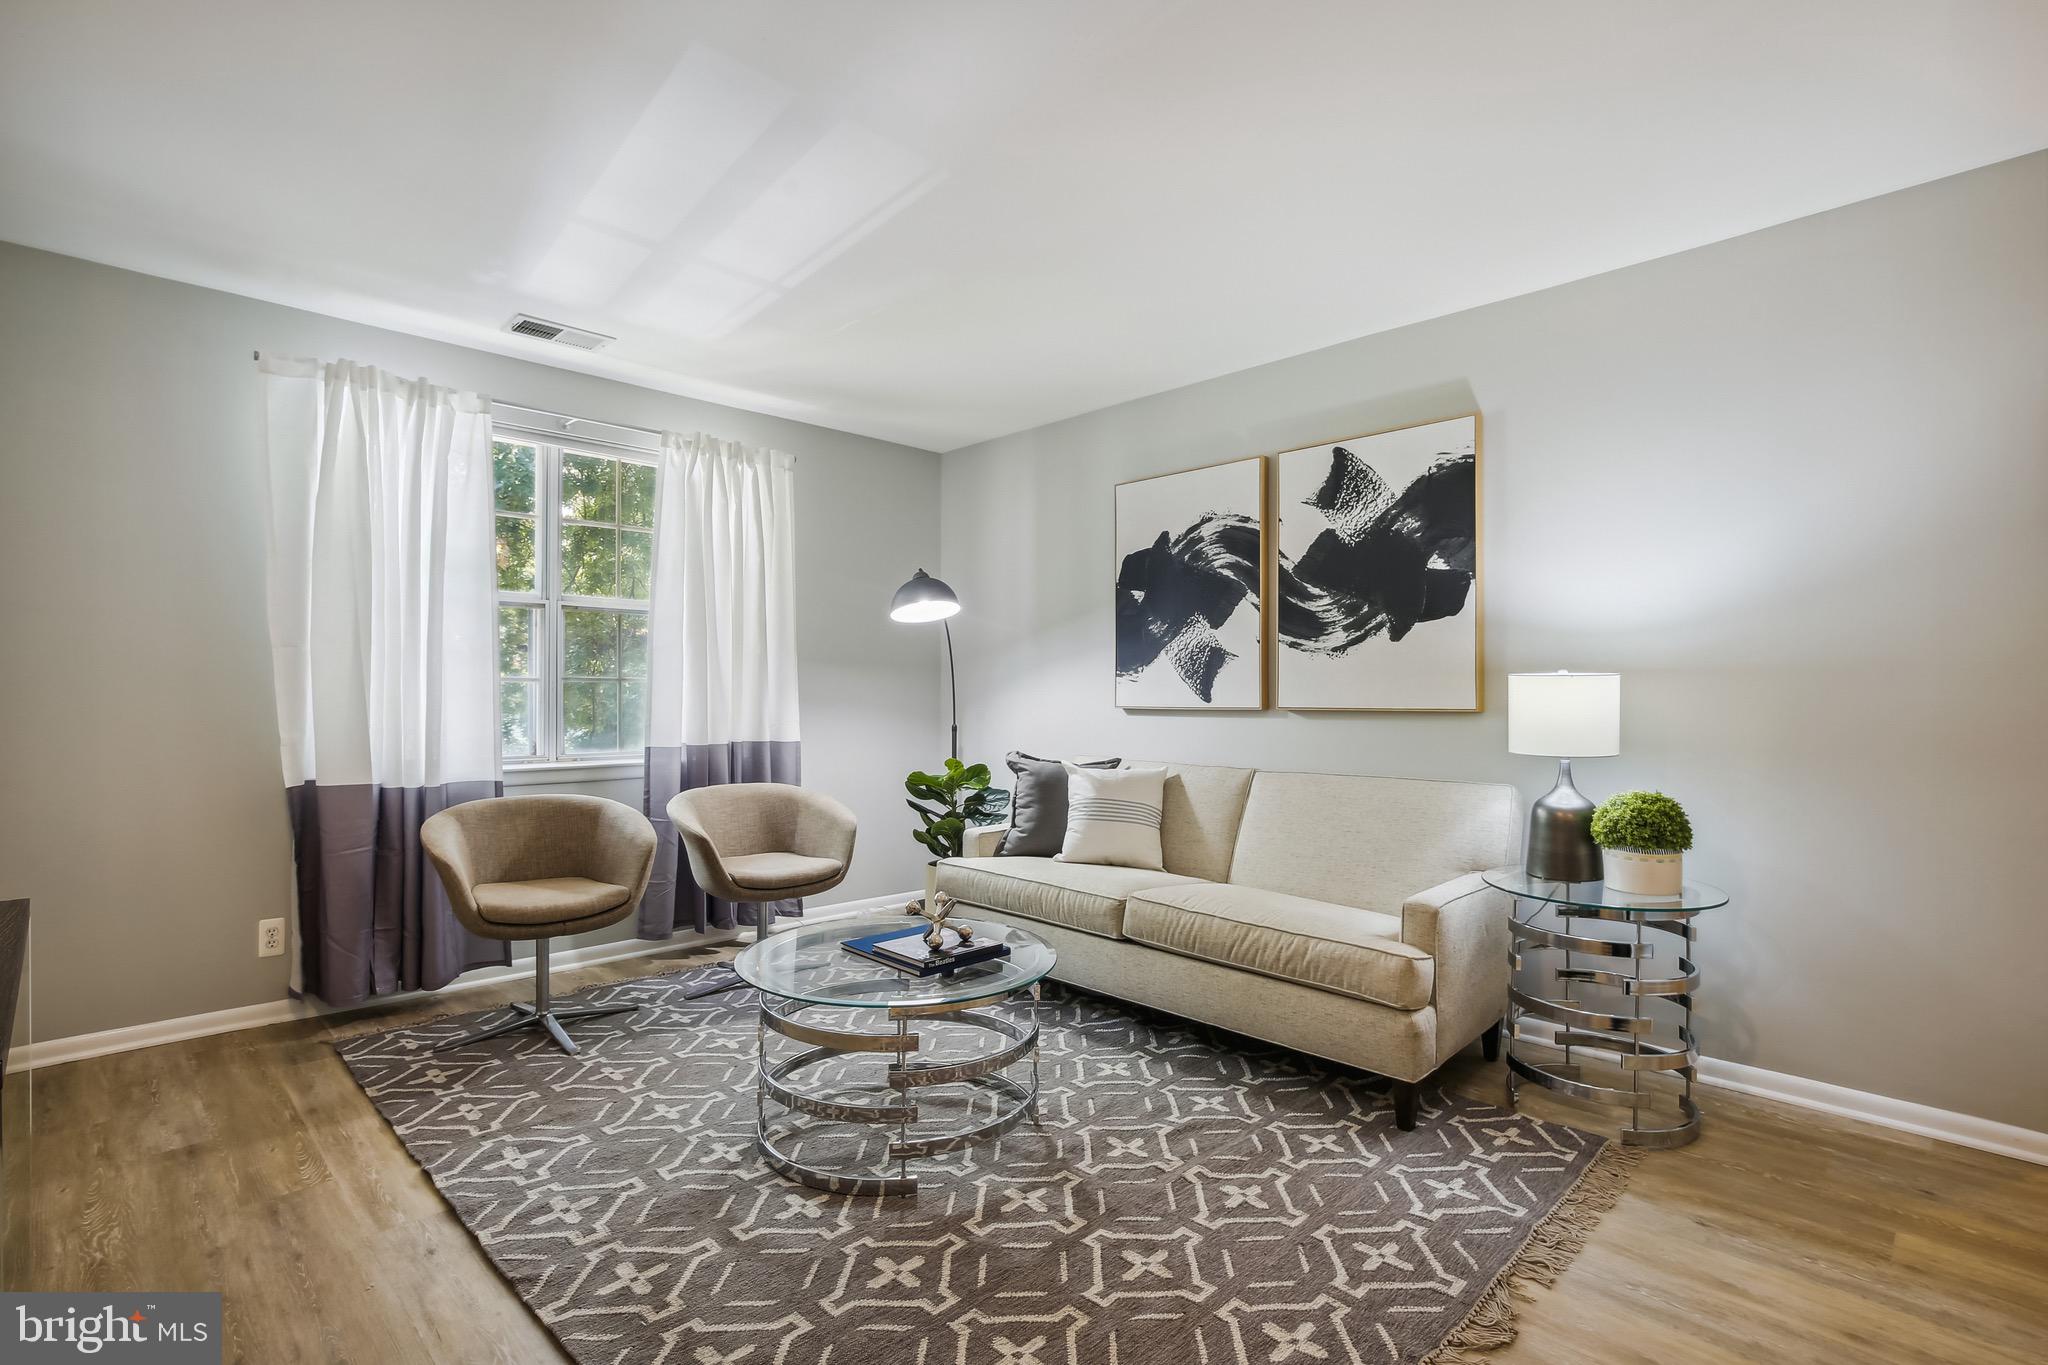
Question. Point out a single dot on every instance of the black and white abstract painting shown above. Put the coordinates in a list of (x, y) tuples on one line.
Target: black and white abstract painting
[(1378, 543), (1189, 548)]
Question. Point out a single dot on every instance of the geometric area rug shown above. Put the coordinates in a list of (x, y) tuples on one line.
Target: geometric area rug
[(1186, 1198)]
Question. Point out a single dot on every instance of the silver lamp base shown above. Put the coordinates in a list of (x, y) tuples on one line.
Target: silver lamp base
[(1561, 847)]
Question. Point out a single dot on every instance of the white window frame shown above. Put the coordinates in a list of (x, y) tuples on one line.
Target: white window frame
[(548, 649)]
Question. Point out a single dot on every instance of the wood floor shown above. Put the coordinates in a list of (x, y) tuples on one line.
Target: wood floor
[(250, 1163)]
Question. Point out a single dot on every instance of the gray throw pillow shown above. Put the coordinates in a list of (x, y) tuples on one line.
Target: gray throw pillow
[(1038, 806)]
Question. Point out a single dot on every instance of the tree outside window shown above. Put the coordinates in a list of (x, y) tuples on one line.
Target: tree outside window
[(575, 550)]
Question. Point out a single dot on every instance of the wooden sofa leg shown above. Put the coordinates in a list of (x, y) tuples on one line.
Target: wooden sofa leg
[(1489, 1041), (1405, 1099)]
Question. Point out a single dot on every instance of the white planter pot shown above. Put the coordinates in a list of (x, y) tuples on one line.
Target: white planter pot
[(1644, 872), (931, 882)]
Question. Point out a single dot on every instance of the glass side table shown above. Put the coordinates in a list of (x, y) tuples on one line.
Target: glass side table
[(1595, 1004), (802, 970)]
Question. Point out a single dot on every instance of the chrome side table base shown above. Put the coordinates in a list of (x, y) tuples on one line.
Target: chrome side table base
[(780, 1084), (1659, 1057)]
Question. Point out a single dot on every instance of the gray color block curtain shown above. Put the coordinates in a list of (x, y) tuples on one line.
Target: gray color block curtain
[(721, 672), (373, 918), (383, 647)]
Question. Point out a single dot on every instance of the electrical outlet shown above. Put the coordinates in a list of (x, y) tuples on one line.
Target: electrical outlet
[(270, 938)]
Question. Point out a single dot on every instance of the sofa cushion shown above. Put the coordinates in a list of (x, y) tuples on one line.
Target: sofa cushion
[(1080, 896), (1336, 948), (550, 900), (1199, 817), (1370, 841)]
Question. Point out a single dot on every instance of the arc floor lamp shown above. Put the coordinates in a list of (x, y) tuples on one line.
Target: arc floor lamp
[(925, 598)]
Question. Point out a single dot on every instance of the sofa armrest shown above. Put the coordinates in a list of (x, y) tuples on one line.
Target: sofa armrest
[(1463, 924), (1427, 916), (980, 840)]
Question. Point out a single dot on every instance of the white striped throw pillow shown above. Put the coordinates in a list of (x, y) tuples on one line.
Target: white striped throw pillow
[(1113, 816)]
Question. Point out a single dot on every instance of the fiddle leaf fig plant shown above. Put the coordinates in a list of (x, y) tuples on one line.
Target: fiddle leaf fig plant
[(948, 802), (1642, 822)]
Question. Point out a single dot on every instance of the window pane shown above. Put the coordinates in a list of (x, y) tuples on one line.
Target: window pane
[(515, 719), (589, 644), (515, 641), (633, 720), (636, 559), (588, 486), (636, 494), (515, 554), (513, 466), (590, 561), (590, 717), (633, 644)]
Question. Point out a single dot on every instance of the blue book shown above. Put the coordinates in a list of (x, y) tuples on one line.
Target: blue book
[(906, 951)]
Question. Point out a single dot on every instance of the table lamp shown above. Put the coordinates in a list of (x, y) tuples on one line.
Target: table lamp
[(1564, 716)]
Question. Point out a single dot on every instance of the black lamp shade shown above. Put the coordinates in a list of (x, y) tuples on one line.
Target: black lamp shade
[(923, 598)]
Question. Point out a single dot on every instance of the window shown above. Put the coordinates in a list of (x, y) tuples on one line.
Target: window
[(575, 550)]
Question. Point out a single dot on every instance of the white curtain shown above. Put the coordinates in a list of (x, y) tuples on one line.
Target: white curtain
[(383, 642), (721, 673)]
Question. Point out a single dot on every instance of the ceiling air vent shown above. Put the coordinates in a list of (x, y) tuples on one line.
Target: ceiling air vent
[(582, 340)]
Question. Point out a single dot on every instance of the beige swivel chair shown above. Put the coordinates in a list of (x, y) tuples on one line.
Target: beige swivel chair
[(537, 867), (752, 843)]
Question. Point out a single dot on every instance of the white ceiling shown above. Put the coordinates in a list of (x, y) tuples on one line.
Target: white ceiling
[(942, 220)]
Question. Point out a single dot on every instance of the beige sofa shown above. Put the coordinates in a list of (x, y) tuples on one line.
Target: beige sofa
[(1341, 916)]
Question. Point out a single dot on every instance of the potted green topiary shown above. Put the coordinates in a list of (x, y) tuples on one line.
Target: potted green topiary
[(1643, 837)]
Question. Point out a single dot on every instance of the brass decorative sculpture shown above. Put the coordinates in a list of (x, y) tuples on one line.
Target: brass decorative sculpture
[(940, 906)]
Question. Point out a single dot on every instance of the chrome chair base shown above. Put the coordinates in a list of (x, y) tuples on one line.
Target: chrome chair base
[(541, 1013), (725, 978), (525, 1015)]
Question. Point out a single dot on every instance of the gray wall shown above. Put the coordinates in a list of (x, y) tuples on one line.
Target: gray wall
[(1792, 486), (141, 806)]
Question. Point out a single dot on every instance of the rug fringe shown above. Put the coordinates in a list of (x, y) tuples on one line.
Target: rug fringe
[(1490, 1324)]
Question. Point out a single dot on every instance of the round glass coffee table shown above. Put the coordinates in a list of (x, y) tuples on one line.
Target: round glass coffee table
[(831, 1120), (1590, 1002)]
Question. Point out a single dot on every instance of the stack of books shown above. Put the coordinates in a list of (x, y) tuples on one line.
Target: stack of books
[(906, 951)]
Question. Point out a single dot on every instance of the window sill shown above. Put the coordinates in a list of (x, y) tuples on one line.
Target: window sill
[(575, 770)]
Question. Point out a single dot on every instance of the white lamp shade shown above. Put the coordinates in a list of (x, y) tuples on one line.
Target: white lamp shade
[(1564, 715)]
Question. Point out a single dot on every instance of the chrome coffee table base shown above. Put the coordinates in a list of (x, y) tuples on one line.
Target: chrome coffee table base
[(1604, 995), (780, 1086)]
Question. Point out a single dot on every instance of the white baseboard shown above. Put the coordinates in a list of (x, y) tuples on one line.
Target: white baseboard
[(28, 1056), (1944, 1125)]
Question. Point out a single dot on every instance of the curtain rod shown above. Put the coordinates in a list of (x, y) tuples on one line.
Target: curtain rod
[(565, 418), (568, 420)]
